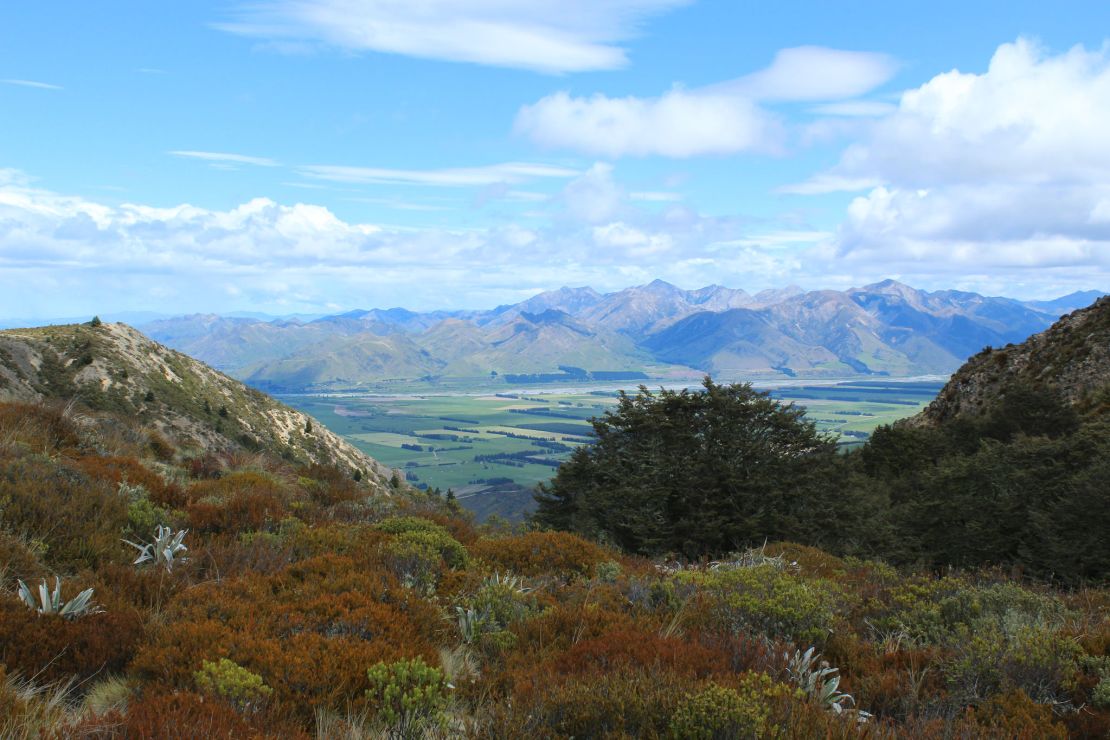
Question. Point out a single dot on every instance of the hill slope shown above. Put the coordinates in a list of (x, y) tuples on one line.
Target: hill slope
[(113, 367), (1072, 357)]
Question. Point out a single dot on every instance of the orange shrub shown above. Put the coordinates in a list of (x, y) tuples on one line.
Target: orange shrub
[(621, 704), (115, 470), (310, 631), (542, 553), (169, 716), (51, 648), (240, 502), (1015, 715), (81, 519), (39, 427), (18, 559), (637, 648)]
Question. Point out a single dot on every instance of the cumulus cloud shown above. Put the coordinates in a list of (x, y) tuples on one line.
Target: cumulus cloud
[(719, 119), (1005, 171), (552, 36), (679, 123)]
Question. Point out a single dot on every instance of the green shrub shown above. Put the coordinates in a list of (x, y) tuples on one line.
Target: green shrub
[(230, 681), (722, 713), (485, 616), (765, 599), (1035, 659), (416, 529), (409, 696)]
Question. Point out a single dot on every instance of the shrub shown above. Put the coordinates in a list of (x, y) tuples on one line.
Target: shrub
[(720, 713), (426, 532), (1014, 714), (245, 500), (614, 704), (232, 682), (1034, 659), (309, 630), (52, 648), (764, 599), (79, 517), (557, 554), (163, 716), (409, 696)]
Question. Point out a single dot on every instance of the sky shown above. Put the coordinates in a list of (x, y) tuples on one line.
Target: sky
[(314, 156)]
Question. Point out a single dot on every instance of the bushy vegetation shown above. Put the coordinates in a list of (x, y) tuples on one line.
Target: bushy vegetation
[(306, 605), (1025, 483)]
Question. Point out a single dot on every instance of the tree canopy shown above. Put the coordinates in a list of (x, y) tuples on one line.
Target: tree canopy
[(695, 472)]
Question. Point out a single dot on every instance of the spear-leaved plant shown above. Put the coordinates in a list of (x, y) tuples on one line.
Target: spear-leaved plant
[(50, 602), (164, 550), (820, 682)]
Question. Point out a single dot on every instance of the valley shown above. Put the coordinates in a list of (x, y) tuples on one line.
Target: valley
[(490, 444)]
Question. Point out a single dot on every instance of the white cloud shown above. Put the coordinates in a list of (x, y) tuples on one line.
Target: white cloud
[(63, 255), (655, 196), (1030, 116), (680, 123), (508, 172), (32, 83), (855, 109), (1005, 172), (550, 36), (810, 73), (720, 119), (220, 158), (828, 182)]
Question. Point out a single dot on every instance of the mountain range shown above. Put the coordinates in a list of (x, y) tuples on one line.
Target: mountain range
[(656, 330)]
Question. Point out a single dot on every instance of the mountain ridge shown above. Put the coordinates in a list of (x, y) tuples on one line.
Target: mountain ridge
[(884, 328)]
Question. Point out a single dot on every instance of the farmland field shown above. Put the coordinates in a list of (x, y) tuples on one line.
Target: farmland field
[(486, 445)]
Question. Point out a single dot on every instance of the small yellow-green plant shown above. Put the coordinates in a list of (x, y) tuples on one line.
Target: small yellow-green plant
[(416, 529), (408, 696), (722, 713), (231, 681), (765, 599)]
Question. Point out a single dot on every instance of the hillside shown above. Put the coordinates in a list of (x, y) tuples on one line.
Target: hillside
[(114, 368), (1072, 358), (886, 328)]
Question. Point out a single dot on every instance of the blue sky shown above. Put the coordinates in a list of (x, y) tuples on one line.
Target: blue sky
[(319, 155)]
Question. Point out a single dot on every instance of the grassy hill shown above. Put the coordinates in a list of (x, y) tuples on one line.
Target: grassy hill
[(114, 368)]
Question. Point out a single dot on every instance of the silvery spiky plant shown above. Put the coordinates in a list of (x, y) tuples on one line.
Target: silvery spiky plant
[(50, 602), (164, 550), (819, 681)]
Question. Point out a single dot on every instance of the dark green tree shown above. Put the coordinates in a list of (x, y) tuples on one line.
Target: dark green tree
[(702, 472)]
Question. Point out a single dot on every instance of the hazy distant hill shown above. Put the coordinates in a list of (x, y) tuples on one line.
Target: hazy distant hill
[(112, 367), (887, 328)]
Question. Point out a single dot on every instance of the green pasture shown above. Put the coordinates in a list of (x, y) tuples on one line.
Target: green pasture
[(452, 428)]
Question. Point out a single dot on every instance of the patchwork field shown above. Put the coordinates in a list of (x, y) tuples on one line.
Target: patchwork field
[(501, 445)]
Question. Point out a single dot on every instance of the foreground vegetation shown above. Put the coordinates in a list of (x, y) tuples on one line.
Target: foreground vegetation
[(304, 606)]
